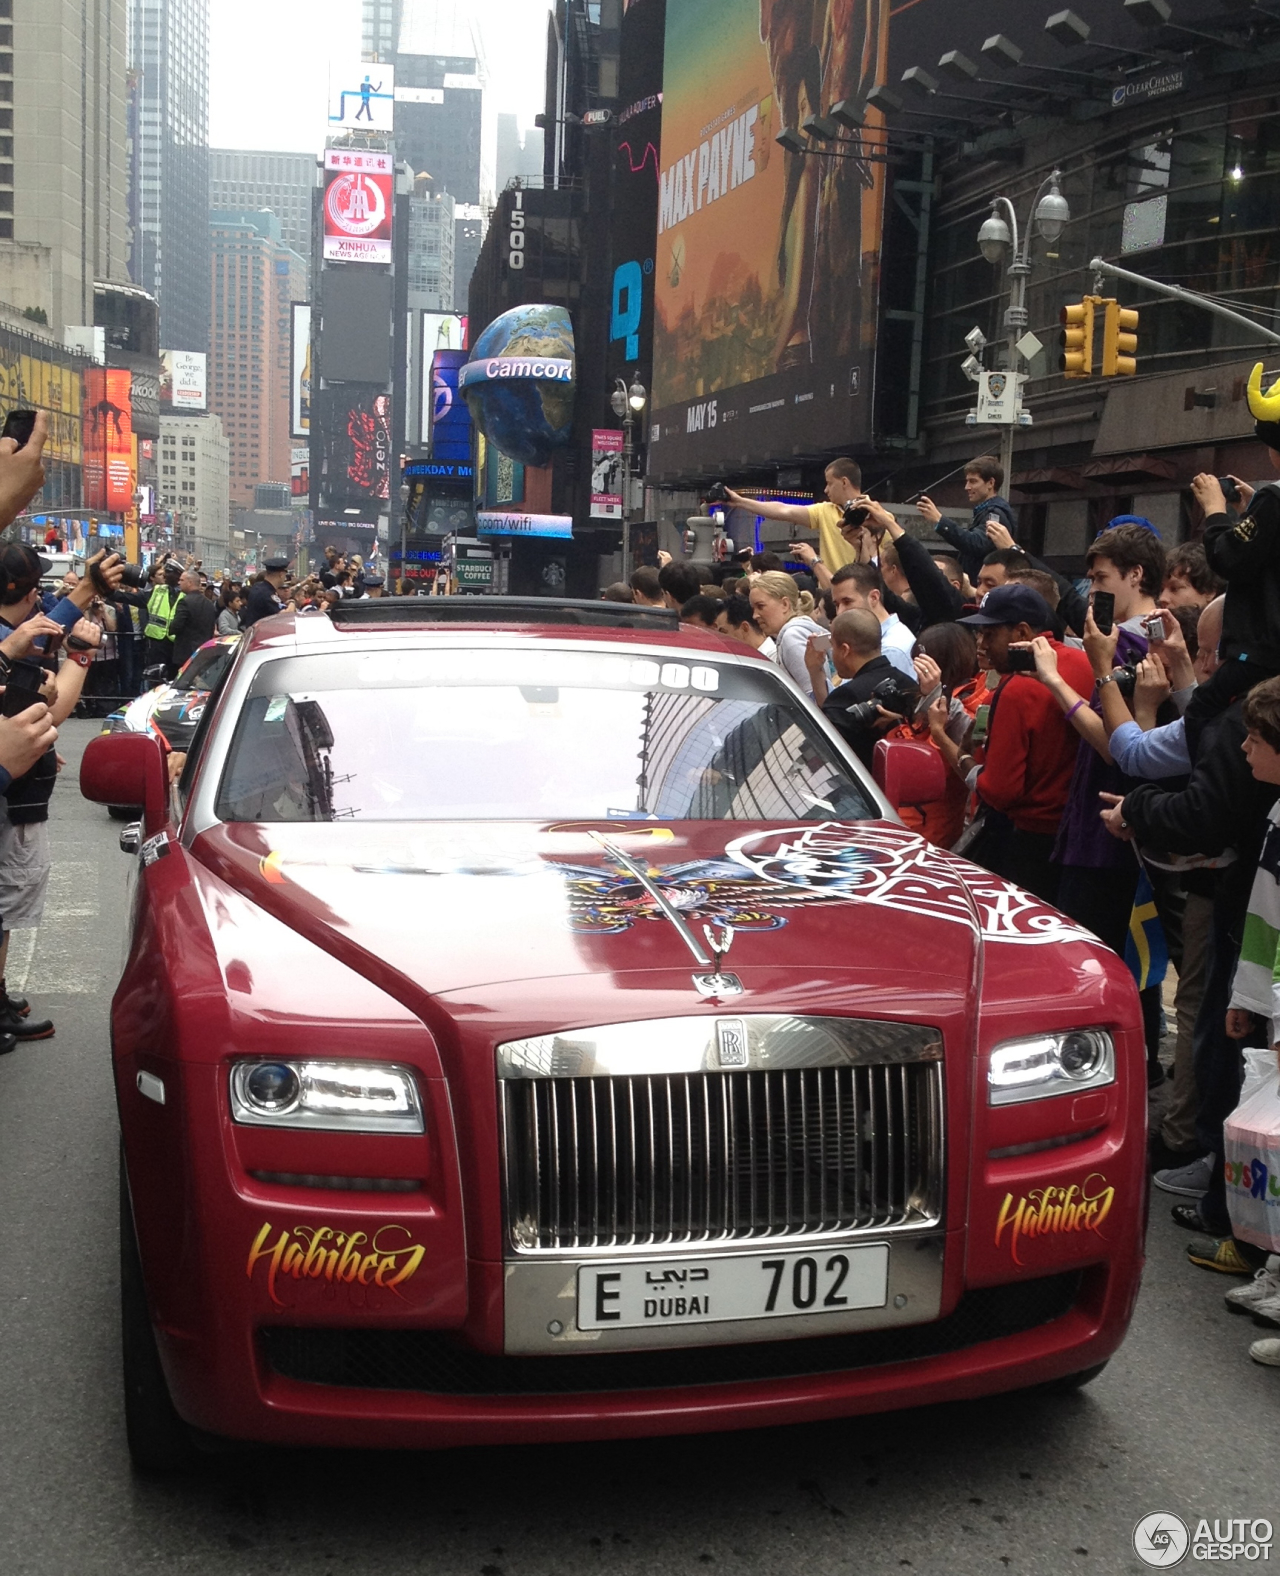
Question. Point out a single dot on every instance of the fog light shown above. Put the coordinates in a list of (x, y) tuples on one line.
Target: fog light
[(272, 1086)]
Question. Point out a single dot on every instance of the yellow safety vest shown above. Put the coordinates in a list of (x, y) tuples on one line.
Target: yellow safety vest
[(161, 606)]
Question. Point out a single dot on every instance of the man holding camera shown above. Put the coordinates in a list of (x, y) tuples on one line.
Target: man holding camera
[(843, 487), (874, 696), (1028, 748)]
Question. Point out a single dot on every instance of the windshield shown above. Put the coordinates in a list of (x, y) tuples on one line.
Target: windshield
[(540, 735), (206, 667)]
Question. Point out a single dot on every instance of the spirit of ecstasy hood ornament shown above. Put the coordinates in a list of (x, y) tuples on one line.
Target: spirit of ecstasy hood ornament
[(719, 935)]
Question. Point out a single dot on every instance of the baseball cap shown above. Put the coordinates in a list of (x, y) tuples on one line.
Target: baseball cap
[(20, 569), (1012, 604)]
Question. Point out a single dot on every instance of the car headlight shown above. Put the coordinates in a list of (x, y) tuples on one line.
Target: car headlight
[(347, 1097), (1049, 1064)]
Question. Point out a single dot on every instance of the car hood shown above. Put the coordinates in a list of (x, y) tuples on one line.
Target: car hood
[(834, 912)]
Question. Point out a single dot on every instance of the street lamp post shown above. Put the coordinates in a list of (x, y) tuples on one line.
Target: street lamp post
[(628, 404), (1050, 213)]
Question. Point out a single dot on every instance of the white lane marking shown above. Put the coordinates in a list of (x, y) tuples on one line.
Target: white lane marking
[(59, 957)]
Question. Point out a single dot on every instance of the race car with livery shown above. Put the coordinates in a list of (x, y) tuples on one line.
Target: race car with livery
[(536, 1025), (174, 709)]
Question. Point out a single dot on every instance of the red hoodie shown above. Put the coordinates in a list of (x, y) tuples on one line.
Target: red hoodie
[(1031, 747)]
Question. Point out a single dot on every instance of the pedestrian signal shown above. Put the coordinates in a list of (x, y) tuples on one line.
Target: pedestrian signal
[(1119, 341), (1076, 360)]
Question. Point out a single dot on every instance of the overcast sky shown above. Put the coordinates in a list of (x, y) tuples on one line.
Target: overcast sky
[(269, 65)]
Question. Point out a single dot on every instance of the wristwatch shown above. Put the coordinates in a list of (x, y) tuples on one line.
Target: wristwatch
[(1107, 678)]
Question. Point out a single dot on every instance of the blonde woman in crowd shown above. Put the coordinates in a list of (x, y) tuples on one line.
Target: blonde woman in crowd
[(784, 612)]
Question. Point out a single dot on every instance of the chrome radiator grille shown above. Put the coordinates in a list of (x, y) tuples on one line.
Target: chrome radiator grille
[(685, 1158)]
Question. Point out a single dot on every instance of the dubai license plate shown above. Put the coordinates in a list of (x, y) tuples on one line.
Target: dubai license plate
[(777, 1285)]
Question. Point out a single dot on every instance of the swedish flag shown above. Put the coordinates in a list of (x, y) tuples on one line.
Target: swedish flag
[(1145, 949)]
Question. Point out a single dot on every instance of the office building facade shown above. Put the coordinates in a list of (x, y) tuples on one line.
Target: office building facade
[(63, 165), (193, 476), (256, 278), (169, 74), (242, 182), (431, 250)]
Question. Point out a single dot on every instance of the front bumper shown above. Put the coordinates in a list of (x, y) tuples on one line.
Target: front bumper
[(420, 1389)]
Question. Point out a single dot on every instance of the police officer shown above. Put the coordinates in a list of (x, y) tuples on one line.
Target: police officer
[(374, 585), (162, 604), (264, 595)]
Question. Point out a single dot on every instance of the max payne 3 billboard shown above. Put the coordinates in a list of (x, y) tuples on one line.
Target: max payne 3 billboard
[(767, 266)]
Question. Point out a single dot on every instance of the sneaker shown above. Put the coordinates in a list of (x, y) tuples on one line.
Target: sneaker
[(1221, 1254), (12, 1022), (1265, 1284), (1266, 1310), (1267, 1352), (1190, 1181), (1161, 1158), (1188, 1216)]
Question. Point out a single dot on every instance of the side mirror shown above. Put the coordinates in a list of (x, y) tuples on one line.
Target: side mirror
[(909, 772), (127, 768)]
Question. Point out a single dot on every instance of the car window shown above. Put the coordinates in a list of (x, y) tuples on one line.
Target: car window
[(206, 667), (529, 735)]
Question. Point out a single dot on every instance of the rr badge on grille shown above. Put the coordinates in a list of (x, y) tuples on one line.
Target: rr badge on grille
[(731, 1042)]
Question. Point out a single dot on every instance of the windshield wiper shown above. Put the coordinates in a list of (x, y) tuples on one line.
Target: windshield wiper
[(664, 904)]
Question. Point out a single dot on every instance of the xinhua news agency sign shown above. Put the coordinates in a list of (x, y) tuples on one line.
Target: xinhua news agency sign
[(357, 206)]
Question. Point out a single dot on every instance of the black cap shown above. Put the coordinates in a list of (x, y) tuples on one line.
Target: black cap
[(20, 568), (275, 565), (374, 580), (1012, 604)]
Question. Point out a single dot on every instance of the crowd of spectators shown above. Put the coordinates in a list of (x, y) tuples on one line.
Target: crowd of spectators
[(1104, 763)]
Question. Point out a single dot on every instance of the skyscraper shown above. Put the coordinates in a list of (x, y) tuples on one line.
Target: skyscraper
[(63, 170), (440, 126), (380, 28), (169, 62), (431, 237), (255, 278), (282, 182)]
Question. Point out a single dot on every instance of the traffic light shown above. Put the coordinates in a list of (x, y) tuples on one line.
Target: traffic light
[(1119, 341), (1077, 339)]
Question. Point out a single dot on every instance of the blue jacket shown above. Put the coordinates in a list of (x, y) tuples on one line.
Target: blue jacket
[(972, 541)]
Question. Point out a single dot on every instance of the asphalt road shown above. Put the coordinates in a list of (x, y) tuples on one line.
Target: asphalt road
[(1181, 1421)]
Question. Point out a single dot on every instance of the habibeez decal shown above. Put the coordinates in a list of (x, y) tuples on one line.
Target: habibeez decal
[(387, 1259), (1055, 1211)]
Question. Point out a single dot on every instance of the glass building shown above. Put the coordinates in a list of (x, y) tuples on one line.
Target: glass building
[(169, 200)]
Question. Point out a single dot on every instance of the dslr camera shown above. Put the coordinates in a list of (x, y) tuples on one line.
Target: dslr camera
[(896, 694), (717, 493), (855, 514), (131, 575)]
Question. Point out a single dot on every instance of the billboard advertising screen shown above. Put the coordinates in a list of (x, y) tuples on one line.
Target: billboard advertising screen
[(362, 97), (107, 439), (183, 379), (450, 438), (357, 206), (357, 449), (300, 371), (768, 262)]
